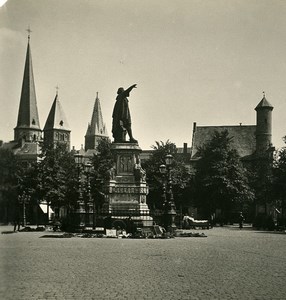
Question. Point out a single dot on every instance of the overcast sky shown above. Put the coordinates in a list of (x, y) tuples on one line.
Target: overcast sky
[(204, 61)]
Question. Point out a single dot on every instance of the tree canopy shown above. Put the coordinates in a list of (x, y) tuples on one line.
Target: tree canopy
[(57, 177), (179, 170), (221, 181), (279, 179)]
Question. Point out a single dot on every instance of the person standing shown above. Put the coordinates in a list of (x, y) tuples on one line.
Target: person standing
[(121, 116), (241, 219)]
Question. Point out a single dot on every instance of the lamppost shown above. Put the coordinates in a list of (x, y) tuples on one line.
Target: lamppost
[(169, 205), (90, 202), (80, 211), (24, 199)]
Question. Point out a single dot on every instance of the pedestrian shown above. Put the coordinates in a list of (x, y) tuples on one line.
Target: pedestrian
[(241, 219), (17, 222)]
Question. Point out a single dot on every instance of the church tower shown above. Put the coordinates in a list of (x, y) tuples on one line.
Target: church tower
[(96, 129), (263, 126), (28, 125), (57, 130)]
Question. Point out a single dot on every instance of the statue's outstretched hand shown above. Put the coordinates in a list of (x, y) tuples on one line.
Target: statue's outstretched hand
[(134, 86)]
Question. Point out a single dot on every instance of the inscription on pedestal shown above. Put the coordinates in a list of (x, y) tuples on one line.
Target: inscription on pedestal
[(128, 190)]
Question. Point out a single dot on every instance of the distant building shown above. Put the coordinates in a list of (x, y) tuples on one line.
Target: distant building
[(27, 133), (96, 129), (57, 130), (250, 141), (28, 125), (28, 140)]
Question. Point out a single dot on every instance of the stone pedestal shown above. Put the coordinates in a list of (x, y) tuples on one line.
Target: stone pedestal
[(126, 189)]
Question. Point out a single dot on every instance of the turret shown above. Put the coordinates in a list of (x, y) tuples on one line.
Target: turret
[(263, 125)]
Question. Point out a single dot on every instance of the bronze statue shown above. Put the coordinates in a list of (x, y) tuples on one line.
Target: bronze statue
[(121, 116)]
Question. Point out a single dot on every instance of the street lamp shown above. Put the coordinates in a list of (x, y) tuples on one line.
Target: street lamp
[(169, 205), (81, 211), (24, 199), (78, 161), (91, 202)]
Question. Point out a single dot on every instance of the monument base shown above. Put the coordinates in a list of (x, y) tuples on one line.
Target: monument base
[(126, 189)]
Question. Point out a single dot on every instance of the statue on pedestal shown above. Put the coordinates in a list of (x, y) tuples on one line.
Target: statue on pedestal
[(121, 116), (139, 172)]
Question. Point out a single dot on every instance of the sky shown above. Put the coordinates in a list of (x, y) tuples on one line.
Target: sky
[(203, 61)]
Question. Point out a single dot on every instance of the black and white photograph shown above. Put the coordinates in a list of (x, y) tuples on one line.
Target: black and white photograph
[(142, 149)]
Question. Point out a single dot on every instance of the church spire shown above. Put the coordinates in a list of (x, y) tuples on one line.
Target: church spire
[(28, 125), (57, 129), (96, 128)]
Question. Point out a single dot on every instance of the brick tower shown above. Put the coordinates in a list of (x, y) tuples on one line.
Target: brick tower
[(263, 126)]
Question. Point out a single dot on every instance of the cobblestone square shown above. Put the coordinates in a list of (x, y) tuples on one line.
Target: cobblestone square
[(228, 264)]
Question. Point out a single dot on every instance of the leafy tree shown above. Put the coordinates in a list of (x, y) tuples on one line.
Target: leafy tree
[(103, 163), (179, 172), (279, 179), (16, 178), (220, 181), (58, 178), (8, 185)]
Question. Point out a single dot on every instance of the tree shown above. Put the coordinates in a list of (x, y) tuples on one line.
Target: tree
[(180, 174), (103, 163), (57, 177), (279, 180), (17, 178), (220, 181), (8, 185)]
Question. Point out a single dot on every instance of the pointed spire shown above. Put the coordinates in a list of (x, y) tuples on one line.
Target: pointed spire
[(28, 119), (96, 129), (56, 118), (29, 33), (97, 126), (263, 103)]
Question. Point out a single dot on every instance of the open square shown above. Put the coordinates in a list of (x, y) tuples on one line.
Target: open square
[(228, 264)]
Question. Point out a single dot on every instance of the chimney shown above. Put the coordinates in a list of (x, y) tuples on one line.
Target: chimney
[(185, 148)]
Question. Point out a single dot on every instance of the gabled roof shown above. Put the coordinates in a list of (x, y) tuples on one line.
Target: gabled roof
[(96, 126), (56, 118), (28, 151), (263, 103), (28, 111), (243, 138)]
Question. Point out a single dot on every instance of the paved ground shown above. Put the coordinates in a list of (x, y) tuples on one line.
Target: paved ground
[(228, 264)]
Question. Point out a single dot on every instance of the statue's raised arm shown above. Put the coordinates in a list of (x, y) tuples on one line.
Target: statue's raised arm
[(121, 116)]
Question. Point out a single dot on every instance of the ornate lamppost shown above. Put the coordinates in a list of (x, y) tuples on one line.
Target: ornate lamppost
[(169, 205), (24, 199), (90, 203), (80, 203)]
